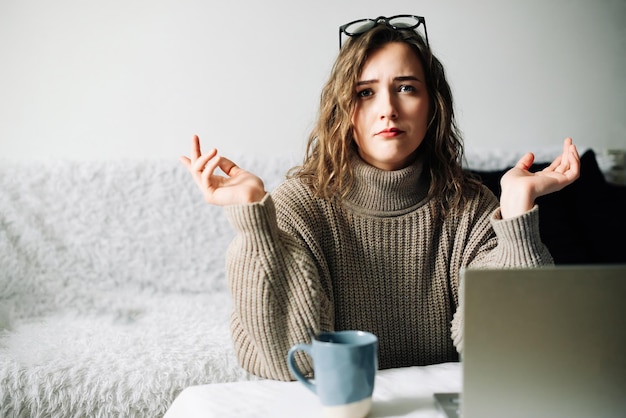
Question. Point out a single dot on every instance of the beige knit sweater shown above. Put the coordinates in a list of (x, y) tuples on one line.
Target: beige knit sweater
[(376, 261)]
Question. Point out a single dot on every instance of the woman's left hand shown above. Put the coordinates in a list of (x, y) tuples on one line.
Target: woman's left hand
[(520, 187)]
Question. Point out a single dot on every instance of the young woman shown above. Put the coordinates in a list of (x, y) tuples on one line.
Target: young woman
[(371, 232)]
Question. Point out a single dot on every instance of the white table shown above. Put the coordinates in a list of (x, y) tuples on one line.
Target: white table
[(403, 392)]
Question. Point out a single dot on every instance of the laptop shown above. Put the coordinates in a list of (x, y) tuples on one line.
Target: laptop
[(542, 342)]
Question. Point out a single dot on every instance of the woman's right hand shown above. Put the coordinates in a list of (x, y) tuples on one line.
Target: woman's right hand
[(237, 187)]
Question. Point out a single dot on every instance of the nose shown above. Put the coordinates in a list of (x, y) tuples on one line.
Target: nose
[(387, 107)]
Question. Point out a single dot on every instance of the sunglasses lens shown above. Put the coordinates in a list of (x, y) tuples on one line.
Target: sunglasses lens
[(359, 27), (404, 22)]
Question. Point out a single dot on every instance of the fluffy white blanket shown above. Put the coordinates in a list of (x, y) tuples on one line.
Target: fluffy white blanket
[(113, 296)]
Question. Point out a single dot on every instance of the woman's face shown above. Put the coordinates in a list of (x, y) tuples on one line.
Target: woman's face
[(391, 113)]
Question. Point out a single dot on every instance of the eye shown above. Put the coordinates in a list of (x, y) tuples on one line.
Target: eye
[(405, 88), (364, 93)]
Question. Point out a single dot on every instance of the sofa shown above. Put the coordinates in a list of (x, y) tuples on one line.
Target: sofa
[(113, 295)]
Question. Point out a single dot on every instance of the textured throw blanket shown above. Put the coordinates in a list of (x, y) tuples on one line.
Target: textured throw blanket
[(113, 295)]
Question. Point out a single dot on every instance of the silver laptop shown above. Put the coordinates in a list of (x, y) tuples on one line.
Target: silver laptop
[(544, 342)]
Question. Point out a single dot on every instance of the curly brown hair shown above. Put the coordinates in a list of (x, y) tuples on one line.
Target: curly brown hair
[(326, 167)]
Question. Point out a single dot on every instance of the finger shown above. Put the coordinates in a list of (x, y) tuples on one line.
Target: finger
[(564, 161), (574, 169), (574, 163), (195, 148), (566, 144), (574, 152), (229, 167), (564, 157), (209, 169), (200, 162), (185, 161)]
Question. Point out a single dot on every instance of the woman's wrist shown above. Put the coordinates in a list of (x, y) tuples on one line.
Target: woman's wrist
[(515, 203)]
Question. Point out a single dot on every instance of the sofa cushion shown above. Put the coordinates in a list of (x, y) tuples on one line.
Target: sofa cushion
[(601, 212)]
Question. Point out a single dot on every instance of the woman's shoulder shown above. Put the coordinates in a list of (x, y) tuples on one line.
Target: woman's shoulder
[(294, 194), (478, 200), (299, 209), (293, 188)]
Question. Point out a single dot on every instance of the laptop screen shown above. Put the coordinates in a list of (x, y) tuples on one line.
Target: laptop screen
[(544, 342)]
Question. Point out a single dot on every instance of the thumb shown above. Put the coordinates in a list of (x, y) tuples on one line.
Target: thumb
[(526, 161), (228, 167)]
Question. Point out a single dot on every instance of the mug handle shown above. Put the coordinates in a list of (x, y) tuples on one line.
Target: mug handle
[(293, 368)]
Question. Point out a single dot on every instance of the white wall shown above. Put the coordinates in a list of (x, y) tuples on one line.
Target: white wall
[(122, 78)]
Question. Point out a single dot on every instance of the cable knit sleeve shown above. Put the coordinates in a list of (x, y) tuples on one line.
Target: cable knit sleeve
[(276, 291), (517, 244)]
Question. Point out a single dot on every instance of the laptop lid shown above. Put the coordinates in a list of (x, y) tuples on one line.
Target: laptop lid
[(544, 342)]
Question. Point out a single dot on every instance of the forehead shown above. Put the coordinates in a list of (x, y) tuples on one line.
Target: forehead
[(394, 58)]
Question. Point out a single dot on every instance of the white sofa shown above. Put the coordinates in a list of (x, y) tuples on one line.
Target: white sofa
[(113, 296)]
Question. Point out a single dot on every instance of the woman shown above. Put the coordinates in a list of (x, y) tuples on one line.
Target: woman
[(371, 232)]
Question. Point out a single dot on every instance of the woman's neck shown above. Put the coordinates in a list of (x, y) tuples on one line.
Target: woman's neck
[(387, 193)]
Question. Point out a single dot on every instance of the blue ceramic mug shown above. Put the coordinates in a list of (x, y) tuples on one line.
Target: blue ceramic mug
[(344, 365)]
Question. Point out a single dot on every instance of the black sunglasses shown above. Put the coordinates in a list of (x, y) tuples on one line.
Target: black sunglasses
[(399, 22)]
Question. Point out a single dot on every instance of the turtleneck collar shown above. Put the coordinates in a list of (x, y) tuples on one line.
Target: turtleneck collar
[(387, 193)]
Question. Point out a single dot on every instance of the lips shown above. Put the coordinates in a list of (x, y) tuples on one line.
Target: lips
[(390, 132)]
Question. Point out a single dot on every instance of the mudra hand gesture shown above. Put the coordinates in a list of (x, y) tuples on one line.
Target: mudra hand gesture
[(520, 187), (238, 186)]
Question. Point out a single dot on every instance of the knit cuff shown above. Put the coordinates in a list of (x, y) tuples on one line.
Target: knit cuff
[(519, 238), (252, 217)]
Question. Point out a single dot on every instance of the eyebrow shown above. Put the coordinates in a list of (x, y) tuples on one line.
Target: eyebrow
[(399, 78)]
